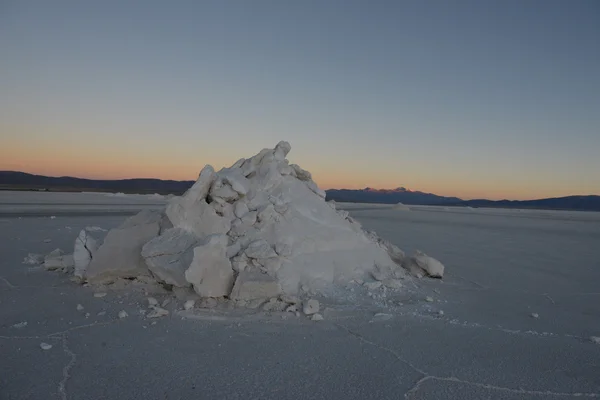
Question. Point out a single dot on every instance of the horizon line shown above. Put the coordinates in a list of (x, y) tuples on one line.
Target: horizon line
[(328, 188)]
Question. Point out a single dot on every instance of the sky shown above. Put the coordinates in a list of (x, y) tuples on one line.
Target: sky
[(475, 99)]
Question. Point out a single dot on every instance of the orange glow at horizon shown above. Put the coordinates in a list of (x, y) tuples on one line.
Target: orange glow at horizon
[(93, 157), (90, 166)]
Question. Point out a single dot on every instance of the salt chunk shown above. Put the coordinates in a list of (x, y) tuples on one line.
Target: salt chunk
[(311, 307), (188, 305), (157, 312), (316, 317), (152, 301)]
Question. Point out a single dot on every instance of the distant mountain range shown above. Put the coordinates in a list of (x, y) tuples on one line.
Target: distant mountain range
[(389, 196), (11, 180)]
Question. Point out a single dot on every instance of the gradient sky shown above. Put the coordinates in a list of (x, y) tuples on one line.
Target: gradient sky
[(495, 99)]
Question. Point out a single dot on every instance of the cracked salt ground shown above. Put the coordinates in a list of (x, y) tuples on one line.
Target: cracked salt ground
[(485, 346)]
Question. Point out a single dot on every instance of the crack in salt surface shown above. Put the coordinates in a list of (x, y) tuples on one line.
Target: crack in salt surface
[(63, 337), (498, 328), (427, 377), (58, 335), (10, 285), (62, 386)]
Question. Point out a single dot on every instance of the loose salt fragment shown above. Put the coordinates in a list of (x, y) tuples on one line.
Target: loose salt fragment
[(188, 305), (316, 317), (381, 317), (157, 313), (152, 301), (293, 308), (123, 314), (33, 259), (47, 240), (101, 313), (87, 315), (535, 315), (20, 325), (165, 302), (310, 307), (52, 217), (595, 339), (441, 312), (153, 323), (45, 346), (429, 299), (79, 307), (99, 294)]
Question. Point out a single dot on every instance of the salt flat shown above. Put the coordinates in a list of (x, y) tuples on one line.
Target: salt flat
[(31, 203), (501, 266)]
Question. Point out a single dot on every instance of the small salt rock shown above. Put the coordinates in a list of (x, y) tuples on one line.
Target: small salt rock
[(157, 312), (52, 217), (123, 314), (153, 323), (297, 313), (310, 307), (79, 307), (188, 305), (316, 317), (47, 241), (293, 308), (535, 315), (165, 302), (99, 294), (392, 283), (143, 312), (19, 325), (429, 299), (101, 313), (360, 281), (595, 339), (152, 301), (87, 314), (381, 317), (45, 346), (441, 312)]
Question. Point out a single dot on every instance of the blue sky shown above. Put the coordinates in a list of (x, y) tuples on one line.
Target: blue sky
[(497, 99)]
